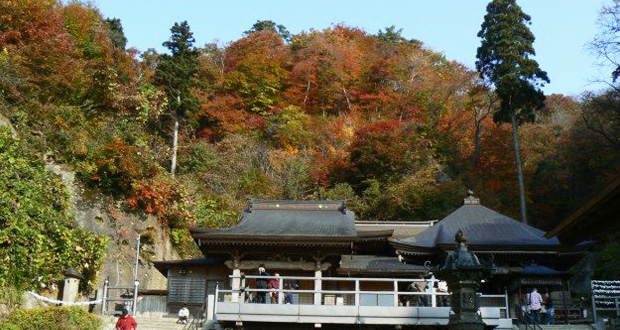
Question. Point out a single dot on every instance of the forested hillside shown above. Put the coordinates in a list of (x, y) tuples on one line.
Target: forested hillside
[(392, 126)]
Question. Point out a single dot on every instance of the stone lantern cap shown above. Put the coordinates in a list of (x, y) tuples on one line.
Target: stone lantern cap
[(71, 272), (461, 257)]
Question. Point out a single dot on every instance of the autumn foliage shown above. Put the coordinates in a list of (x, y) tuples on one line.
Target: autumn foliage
[(382, 120)]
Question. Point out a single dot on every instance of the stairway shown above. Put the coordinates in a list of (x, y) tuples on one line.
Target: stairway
[(148, 323), (158, 323), (561, 327), (567, 327)]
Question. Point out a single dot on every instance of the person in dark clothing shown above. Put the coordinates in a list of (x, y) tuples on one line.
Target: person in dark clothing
[(261, 283), (550, 309), (288, 295)]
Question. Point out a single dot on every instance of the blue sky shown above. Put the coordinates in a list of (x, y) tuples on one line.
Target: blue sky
[(562, 27)]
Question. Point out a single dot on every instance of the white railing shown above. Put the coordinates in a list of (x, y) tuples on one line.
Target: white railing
[(356, 292)]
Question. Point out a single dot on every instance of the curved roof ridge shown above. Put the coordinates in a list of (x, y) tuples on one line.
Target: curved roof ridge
[(482, 226)]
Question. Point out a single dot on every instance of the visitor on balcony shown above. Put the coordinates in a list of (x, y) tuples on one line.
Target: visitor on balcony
[(261, 284), (288, 295), (442, 287), (415, 300), (426, 296), (274, 285)]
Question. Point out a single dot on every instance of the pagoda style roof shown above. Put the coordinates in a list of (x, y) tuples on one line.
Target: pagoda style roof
[(285, 222), (486, 230)]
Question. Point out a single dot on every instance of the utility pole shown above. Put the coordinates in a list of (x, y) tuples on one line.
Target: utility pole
[(136, 282)]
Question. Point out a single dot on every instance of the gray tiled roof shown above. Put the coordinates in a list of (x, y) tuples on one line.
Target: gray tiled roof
[(402, 229), (482, 227), (376, 264), (163, 266), (287, 219)]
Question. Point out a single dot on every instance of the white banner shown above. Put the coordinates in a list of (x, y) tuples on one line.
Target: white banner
[(65, 303)]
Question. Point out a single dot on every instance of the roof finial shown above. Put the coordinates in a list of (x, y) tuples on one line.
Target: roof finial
[(471, 199), (460, 237)]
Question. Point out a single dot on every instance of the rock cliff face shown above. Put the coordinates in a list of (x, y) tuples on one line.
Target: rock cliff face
[(105, 215)]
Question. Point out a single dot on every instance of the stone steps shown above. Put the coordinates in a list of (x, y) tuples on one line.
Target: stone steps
[(158, 323), (566, 326), (149, 323), (561, 327)]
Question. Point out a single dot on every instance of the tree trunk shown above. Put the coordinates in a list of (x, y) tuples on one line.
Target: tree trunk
[(346, 96), (307, 93), (175, 146), (477, 143), (515, 138)]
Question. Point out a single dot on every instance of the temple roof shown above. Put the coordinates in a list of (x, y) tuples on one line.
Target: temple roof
[(596, 218), (401, 229), (163, 266), (376, 265), (288, 221), (485, 229)]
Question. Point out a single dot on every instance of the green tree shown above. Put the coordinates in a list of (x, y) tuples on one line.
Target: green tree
[(115, 31), (392, 36), (177, 73), (504, 59), (269, 25)]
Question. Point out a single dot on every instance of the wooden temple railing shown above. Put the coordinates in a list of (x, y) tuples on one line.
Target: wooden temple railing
[(336, 296)]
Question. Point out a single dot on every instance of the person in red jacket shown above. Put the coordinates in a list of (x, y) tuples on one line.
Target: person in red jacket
[(126, 322)]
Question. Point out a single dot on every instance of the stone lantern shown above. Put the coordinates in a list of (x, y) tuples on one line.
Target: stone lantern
[(71, 285), (463, 272)]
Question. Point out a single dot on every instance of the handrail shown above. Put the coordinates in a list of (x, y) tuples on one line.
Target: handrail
[(345, 279), (525, 319), (430, 295), (403, 293)]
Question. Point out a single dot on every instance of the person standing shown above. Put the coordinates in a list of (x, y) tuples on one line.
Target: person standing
[(288, 295), (126, 322), (261, 283), (536, 302), (274, 285), (442, 287), (550, 309)]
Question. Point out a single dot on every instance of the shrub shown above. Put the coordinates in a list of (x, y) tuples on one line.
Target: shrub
[(198, 158), (289, 128), (118, 165), (38, 237), (51, 318)]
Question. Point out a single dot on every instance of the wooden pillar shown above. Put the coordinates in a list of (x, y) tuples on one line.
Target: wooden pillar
[(432, 290), (280, 292), (318, 283), (395, 293), (236, 281)]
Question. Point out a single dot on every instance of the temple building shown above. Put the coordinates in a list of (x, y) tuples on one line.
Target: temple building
[(339, 271), (522, 257)]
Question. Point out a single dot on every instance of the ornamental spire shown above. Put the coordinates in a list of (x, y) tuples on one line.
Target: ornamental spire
[(471, 199)]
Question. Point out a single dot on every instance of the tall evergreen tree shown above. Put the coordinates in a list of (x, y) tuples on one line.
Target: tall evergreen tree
[(268, 25), (115, 31), (177, 73), (504, 59)]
